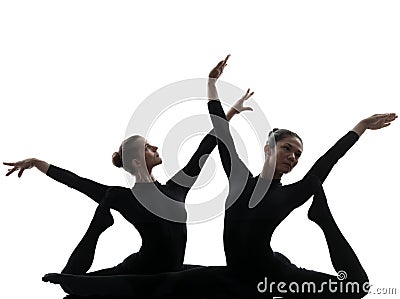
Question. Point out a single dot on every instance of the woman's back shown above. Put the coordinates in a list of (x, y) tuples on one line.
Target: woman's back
[(163, 241)]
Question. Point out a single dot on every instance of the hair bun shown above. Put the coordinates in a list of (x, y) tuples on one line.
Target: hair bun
[(117, 160), (273, 131)]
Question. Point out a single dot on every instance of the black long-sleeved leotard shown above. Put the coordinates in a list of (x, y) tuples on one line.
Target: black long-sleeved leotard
[(163, 241), (248, 231)]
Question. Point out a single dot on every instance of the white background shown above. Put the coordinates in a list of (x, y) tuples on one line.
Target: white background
[(73, 72)]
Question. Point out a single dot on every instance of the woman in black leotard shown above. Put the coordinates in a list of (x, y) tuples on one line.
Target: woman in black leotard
[(163, 238), (248, 231)]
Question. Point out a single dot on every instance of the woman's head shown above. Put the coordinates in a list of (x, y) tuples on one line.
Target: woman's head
[(288, 147), (136, 155)]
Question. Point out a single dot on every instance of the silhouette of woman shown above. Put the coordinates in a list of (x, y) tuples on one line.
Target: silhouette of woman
[(163, 240), (248, 231)]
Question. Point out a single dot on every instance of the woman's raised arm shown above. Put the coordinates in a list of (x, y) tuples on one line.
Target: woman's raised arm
[(186, 177), (227, 150)]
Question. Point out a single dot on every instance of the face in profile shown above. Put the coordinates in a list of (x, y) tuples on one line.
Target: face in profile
[(288, 152), (151, 155), (146, 155)]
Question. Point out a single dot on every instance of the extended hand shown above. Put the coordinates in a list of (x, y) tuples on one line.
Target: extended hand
[(379, 121), (20, 165), (217, 71)]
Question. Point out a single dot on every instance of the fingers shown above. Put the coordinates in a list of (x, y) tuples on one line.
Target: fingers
[(380, 126), (9, 163), (387, 118), (226, 59), (223, 63), (16, 166), (248, 92), (219, 68), (247, 95), (239, 104), (378, 121), (377, 127), (10, 171), (220, 64), (20, 172), (391, 116)]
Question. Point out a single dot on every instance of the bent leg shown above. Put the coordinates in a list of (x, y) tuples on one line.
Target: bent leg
[(82, 257)]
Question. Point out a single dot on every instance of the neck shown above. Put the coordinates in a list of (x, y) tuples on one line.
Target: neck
[(144, 177), (268, 170)]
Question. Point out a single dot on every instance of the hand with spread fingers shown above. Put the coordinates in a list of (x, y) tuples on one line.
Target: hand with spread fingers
[(238, 106), (21, 166)]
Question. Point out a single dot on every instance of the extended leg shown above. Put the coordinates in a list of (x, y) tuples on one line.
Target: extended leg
[(200, 282), (342, 255), (81, 258)]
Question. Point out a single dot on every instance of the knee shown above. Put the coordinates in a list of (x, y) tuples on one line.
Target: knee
[(109, 199), (114, 200)]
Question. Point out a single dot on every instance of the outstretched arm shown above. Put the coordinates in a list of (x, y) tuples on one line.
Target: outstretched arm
[(324, 165), (94, 190)]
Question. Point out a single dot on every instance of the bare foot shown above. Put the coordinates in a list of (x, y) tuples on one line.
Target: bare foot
[(56, 279)]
